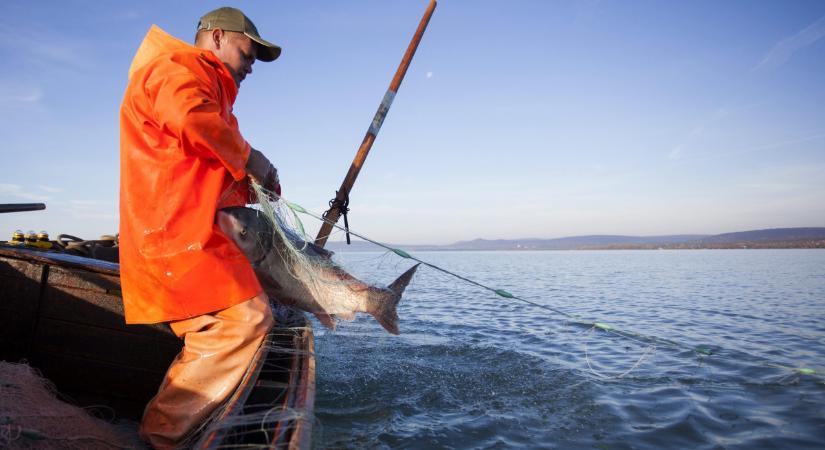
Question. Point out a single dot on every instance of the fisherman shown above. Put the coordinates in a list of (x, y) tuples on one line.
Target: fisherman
[(182, 158)]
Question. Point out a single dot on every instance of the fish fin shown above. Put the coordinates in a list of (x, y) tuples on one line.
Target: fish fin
[(326, 319), (385, 305)]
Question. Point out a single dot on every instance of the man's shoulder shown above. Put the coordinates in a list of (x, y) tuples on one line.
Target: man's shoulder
[(178, 63), (195, 61)]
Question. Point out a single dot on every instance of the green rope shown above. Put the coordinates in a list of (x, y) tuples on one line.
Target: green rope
[(296, 207), (504, 293), (639, 337), (799, 370), (602, 326)]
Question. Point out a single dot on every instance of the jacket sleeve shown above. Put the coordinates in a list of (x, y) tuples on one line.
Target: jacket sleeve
[(188, 107)]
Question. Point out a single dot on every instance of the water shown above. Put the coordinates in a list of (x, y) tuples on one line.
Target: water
[(473, 370)]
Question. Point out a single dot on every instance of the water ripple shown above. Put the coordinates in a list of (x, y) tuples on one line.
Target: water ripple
[(472, 370)]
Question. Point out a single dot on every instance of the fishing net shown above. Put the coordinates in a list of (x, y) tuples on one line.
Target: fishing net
[(310, 266), (288, 228), (272, 406), (31, 417)]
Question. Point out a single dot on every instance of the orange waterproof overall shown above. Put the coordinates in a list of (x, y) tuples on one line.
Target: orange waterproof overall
[(182, 158)]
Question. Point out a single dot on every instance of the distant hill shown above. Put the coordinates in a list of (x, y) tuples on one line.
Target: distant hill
[(812, 237), (769, 238), (568, 243), (773, 234)]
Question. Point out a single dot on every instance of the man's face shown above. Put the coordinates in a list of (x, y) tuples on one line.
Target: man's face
[(238, 54)]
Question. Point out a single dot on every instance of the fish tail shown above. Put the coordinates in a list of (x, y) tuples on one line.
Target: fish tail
[(387, 300)]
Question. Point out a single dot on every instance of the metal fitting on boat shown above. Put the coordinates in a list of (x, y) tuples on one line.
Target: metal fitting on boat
[(18, 238)]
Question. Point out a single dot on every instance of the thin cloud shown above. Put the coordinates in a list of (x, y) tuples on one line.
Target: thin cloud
[(129, 15), (91, 209), (45, 48), (698, 131), (33, 96), (92, 215), (50, 189), (761, 148), (89, 203), (19, 93), (783, 50), (17, 191), (803, 179), (775, 145), (677, 152), (587, 10)]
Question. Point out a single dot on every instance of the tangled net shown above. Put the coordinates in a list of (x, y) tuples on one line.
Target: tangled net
[(308, 264), (31, 417)]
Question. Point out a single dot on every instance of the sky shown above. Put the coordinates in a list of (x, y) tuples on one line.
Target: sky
[(523, 119)]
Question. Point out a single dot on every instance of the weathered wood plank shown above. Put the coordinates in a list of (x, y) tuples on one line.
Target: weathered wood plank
[(82, 279), (88, 298), (19, 299), (129, 350)]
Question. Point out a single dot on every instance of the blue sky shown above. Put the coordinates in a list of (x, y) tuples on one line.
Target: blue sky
[(516, 119)]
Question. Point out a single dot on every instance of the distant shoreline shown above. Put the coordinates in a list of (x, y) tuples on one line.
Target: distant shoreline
[(342, 247), (775, 238)]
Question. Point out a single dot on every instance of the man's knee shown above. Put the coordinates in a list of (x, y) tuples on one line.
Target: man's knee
[(264, 320)]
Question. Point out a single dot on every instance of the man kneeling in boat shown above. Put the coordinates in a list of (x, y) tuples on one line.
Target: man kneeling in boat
[(182, 159)]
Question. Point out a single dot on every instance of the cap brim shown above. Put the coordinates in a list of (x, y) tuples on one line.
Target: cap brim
[(267, 51)]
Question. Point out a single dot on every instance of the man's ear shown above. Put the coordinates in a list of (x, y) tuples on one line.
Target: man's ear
[(217, 35)]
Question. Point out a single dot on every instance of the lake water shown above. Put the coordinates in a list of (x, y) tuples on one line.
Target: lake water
[(474, 370)]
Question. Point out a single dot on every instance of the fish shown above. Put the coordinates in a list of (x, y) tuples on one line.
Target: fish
[(311, 282)]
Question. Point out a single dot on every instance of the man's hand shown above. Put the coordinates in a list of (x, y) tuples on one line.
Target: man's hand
[(263, 172), (271, 181)]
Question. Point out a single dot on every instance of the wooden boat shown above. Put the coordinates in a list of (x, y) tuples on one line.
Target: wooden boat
[(63, 315)]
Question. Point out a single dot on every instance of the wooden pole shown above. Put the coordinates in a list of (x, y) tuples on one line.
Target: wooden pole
[(342, 195)]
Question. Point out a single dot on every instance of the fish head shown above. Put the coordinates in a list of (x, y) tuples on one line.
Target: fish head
[(249, 229)]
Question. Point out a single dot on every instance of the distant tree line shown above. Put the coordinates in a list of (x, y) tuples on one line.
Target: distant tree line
[(714, 245)]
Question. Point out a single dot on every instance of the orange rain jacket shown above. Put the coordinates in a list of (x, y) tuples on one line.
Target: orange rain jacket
[(182, 157)]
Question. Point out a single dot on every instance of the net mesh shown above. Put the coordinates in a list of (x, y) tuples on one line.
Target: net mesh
[(310, 266), (32, 417), (272, 407)]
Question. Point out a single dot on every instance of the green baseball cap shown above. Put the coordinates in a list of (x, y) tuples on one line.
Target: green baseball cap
[(232, 19)]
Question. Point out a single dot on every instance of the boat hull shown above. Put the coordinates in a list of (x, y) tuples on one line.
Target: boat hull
[(63, 315)]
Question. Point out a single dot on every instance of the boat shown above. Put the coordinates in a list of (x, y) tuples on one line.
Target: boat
[(63, 315)]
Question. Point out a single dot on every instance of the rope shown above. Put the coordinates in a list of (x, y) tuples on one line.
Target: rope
[(342, 205), (640, 338), (106, 248)]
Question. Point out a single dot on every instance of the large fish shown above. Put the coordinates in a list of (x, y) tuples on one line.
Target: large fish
[(311, 282)]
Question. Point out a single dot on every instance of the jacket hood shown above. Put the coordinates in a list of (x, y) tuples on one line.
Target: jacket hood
[(157, 42)]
